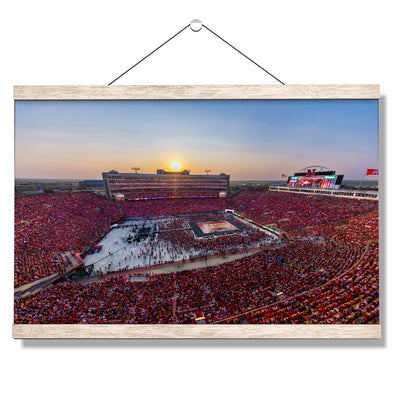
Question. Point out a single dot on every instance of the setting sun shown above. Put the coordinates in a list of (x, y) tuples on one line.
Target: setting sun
[(175, 166)]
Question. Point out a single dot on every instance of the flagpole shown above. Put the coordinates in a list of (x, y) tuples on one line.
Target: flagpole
[(362, 179)]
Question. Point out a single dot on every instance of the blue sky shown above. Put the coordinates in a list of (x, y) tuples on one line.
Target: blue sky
[(248, 139)]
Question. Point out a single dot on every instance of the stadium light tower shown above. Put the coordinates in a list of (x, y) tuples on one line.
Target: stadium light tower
[(136, 169), (207, 171)]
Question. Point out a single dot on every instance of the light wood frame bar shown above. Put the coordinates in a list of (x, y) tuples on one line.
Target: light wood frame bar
[(100, 331), (215, 92)]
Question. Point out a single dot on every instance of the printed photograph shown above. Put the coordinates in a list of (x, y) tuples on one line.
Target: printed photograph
[(196, 212)]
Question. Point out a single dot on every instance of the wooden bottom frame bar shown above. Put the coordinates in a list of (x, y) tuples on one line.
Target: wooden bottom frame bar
[(123, 331)]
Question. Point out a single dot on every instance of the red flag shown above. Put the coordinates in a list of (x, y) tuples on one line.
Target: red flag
[(371, 171), (284, 176)]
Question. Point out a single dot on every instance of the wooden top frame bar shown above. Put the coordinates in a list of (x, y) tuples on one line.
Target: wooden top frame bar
[(215, 92)]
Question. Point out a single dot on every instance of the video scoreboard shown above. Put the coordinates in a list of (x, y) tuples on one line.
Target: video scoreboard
[(315, 179), (323, 181)]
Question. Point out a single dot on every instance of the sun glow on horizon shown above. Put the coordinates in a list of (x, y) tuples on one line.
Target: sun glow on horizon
[(175, 166)]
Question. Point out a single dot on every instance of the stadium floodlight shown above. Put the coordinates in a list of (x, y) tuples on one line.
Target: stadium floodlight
[(207, 171), (136, 169)]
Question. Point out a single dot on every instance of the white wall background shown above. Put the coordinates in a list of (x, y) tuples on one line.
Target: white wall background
[(92, 42)]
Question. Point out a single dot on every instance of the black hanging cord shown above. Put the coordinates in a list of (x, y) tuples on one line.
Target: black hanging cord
[(244, 55), (133, 66), (176, 34)]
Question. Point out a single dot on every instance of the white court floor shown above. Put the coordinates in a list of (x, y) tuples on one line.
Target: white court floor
[(118, 254)]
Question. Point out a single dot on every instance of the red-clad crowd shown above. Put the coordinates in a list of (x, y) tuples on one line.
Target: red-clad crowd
[(155, 208), (353, 297), (292, 212), (332, 280), (61, 222), (220, 292), (360, 229), (112, 301), (310, 282), (53, 223), (31, 266)]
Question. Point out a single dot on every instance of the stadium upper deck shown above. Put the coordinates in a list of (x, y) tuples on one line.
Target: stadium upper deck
[(134, 186)]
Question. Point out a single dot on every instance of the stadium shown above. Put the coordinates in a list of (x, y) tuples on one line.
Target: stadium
[(175, 248)]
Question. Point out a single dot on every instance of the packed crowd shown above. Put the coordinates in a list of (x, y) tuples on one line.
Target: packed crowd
[(155, 208), (61, 222), (53, 223), (31, 266), (332, 280), (49, 223), (351, 298), (222, 292), (113, 301), (292, 212), (360, 229)]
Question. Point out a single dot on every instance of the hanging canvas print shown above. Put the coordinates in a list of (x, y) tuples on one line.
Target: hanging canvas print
[(210, 211)]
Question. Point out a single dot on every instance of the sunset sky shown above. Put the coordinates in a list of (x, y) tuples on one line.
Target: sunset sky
[(248, 139)]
